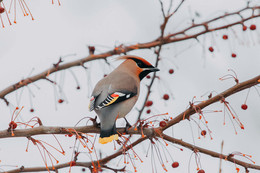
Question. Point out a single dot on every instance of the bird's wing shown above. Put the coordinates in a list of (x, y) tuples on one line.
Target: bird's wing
[(114, 98), (112, 90), (92, 103)]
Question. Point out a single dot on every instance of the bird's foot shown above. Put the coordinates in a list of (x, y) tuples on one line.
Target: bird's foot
[(94, 120), (97, 125), (128, 125)]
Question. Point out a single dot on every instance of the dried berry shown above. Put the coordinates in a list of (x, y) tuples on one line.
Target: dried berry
[(163, 124), (244, 28), (1, 9), (244, 106), (166, 97), (225, 37), (203, 132), (149, 103), (171, 71), (175, 164), (234, 55), (253, 27)]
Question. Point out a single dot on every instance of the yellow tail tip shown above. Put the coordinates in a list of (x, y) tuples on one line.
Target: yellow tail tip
[(108, 139)]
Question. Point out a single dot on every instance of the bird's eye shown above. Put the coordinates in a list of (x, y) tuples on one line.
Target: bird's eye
[(140, 64)]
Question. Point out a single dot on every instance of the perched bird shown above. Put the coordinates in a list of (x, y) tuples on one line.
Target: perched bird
[(116, 94)]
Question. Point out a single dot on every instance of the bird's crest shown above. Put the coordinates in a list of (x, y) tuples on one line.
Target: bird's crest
[(133, 57)]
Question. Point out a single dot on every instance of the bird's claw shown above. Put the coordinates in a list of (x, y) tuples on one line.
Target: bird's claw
[(94, 120), (128, 125), (97, 125)]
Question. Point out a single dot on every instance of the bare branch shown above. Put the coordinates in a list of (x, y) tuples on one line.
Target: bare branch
[(210, 153), (44, 130), (148, 131), (238, 87), (102, 162), (171, 38), (175, 9)]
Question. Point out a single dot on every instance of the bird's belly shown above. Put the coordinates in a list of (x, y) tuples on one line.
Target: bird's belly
[(125, 107)]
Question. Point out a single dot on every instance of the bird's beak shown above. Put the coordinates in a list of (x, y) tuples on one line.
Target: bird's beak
[(154, 69)]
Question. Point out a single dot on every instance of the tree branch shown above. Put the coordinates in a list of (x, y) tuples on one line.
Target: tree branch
[(238, 87), (44, 130), (171, 38), (209, 152), (102, 162), (148, 131)]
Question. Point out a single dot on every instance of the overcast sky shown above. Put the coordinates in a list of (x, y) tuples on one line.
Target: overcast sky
[(30, 47)]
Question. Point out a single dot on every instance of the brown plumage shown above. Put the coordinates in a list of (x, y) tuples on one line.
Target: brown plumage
[(115, 95)]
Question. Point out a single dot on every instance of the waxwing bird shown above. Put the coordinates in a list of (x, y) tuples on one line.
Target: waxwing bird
[(116, 94)]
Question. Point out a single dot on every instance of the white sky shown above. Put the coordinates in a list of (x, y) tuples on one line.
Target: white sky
[(68, 29)]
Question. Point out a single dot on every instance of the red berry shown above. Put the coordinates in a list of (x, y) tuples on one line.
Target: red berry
[(149, 103), (203, 132), (166, 97), (253, 27), (12, 125), (148, 111), (60, 100), (244, 106), (225, 37), (201, 171), (105, 75), (234, 55), (162, 124), (211, 49), (2, 10), (70, 135), (78, 87), (148, 76), (244, 28), (171, 71), (32, 110), (91, 49), (175, 164), (83, 169)]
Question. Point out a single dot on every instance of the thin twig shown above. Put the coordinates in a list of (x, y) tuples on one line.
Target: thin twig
[(210, 153), (170, 38)]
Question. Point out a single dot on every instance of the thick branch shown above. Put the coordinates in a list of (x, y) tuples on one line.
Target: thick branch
[(238, 87), (209, 152), (58, 166), (44, 130), (149, 131)]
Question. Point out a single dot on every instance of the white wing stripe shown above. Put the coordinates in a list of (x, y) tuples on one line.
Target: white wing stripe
[(120, 94)]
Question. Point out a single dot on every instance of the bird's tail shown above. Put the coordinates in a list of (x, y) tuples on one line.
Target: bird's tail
[(108, 135)]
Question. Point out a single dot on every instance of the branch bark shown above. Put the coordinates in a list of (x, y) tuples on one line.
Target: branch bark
[(149, 132), (238, 87)]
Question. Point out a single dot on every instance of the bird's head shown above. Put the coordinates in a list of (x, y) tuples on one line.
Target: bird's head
[(138, 65)]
